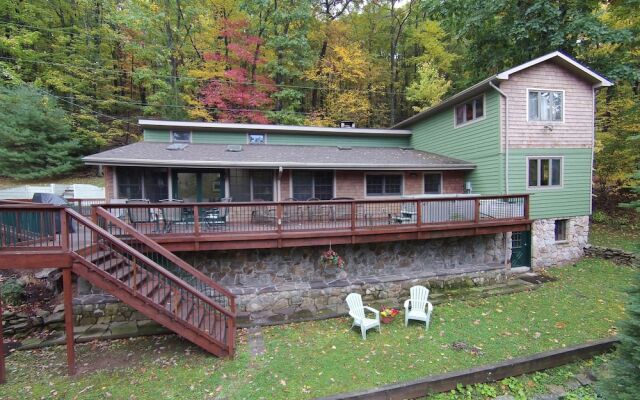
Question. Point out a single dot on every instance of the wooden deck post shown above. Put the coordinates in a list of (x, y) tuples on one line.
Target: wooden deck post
[(476, 210), (68, 320), (2, 368), (196, 220)]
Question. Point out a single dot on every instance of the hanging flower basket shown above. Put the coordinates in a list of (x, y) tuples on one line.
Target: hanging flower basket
[(331, 259)]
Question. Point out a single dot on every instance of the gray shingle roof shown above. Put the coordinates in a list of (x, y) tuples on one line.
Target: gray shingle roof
[(274, 156)]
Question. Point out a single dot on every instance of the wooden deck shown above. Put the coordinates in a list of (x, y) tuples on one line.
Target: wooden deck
[(225, 226), (222, 226)]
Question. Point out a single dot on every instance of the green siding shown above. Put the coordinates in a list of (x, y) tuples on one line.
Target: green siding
[(477, 142), (155, 135), (572, 199), (203, 137), (327, 140)]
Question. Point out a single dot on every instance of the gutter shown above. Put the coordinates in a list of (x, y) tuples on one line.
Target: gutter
[(506, 136), (276, 165)]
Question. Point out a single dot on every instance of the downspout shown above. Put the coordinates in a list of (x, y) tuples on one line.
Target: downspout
[(506, 136), (506, 158), (279, 183)]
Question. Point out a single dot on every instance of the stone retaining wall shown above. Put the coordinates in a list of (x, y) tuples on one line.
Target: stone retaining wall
[(272, 267), (618, 256), (290, 284), (87, 310), (305, 303), (547, 252)]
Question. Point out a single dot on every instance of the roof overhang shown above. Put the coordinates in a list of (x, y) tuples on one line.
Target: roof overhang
[(562, 60), (274, 165), (236, 127), (557, 57)]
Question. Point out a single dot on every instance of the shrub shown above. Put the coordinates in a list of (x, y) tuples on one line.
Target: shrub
[(599, 217), (12, 292)]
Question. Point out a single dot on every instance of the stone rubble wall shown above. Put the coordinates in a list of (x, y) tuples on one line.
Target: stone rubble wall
[(275, 285), (306, 304), (618, 256), (87, 310), (272, 267), (546, 252)]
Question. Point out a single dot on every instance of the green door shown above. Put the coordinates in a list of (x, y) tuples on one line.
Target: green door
[(520, 249)]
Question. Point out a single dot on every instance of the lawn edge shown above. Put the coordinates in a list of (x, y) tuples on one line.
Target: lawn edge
[(482, 374)]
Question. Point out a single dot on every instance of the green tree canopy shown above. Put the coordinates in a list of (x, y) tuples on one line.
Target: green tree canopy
[(35, 135)]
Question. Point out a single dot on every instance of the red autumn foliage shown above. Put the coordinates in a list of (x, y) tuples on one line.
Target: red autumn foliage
[(243, 93)]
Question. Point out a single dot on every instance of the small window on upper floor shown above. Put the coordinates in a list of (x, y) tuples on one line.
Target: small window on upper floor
[(256, 138), (180, 136), (546, 105), (470, 111)]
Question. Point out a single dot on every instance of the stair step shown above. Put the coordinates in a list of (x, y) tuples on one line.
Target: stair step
[(188, 313), (111, 264), (98, 256)]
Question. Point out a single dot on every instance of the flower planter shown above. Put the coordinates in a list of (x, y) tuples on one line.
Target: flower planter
[(387, 320)]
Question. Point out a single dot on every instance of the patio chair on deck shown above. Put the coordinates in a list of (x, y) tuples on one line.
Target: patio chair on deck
[(262, 213), (407, 215), (320, 212), (171, 215), (356, 311), (142, 215), (414, 308), (216, 217)]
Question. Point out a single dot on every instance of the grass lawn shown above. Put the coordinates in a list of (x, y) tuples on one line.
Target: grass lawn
[(625, 237), (320, 358)]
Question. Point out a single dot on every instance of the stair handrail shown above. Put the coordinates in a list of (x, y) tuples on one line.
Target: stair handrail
[(180, 282), (155, 246)]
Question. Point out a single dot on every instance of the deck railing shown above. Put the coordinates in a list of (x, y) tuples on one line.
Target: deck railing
[(204, 219)]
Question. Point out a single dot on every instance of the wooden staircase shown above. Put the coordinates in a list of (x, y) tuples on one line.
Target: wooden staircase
[(115, 257)]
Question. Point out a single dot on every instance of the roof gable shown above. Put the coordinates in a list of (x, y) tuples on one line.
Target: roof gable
[(563, 60), (556, 57)]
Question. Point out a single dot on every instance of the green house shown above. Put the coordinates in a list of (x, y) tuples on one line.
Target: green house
[(494, 179)]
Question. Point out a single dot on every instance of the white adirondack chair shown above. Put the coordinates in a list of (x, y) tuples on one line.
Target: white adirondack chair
[(356, 310), (414, 308)]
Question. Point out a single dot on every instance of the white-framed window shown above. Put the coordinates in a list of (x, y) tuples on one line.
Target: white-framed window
[(251, 185), (432, 183), (544, 172), (470, 111), (256, 138), (545, 105), (560, 230), (307, 185), (180, 137), (384, 185)]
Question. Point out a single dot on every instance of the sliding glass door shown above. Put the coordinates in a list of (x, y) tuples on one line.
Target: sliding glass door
[(194, 186)]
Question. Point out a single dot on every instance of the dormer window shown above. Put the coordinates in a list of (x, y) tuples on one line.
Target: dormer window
[(470, 111), (256, 138), (546, 105), (180, 137)]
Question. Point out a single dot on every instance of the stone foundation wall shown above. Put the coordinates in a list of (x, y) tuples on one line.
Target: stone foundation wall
[(291, 284), (304, 302), (273, 267), (546, 252)]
